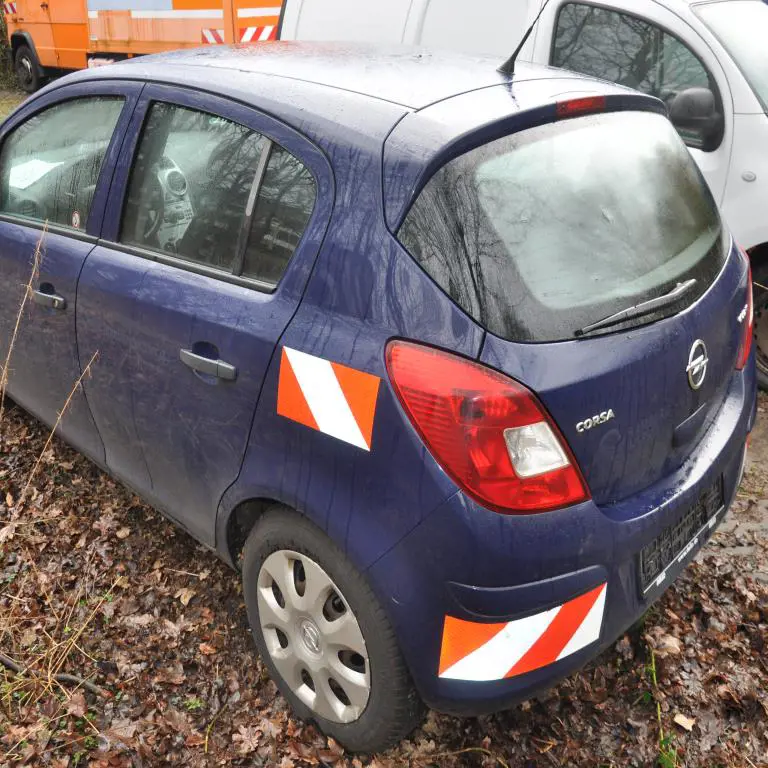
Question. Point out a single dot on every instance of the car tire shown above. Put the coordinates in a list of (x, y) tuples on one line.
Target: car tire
[(285, 552), (27, 69), (760, 298)]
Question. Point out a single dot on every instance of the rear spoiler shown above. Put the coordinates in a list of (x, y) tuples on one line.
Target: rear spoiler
[(423, 141)]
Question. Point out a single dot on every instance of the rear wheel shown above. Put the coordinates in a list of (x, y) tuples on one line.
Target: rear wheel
[(323, 635), (760, 291), (27, 69)]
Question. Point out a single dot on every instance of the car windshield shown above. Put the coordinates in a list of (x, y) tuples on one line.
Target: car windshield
[(742, 27), (543, 232)]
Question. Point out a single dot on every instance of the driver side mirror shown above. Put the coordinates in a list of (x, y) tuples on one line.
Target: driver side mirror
[(694, 113)]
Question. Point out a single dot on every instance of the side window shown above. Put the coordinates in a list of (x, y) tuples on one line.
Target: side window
[(189, 185), (50, 165), (633, 52), (283, 207), (200, 190), (679, 69), (608, 45)]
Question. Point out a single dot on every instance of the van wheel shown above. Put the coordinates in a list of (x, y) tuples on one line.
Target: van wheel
[(27, 69), (323, 635), (760, 298)]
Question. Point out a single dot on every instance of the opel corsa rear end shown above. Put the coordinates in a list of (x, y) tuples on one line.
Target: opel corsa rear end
[(512, 404), (599, 436)]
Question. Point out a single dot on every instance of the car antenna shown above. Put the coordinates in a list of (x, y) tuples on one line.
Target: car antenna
[(508, 67)]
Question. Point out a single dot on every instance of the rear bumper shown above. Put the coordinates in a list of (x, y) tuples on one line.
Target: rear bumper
[(489, 609)]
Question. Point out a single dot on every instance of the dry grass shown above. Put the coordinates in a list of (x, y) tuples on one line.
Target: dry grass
[(35, 650)]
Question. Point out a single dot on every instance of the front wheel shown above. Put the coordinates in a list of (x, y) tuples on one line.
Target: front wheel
[(27, 69), (323, 635), (760, 297)]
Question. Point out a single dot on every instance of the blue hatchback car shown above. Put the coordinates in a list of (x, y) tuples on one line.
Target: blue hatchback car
[(456, 367)]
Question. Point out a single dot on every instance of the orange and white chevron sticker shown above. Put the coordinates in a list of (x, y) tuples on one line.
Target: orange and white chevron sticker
[(482, 652), (329, 397)]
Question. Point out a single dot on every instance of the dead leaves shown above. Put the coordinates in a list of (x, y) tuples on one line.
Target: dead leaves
[(246, 739), (184, 595), (684, 722), (76, 704), (169, 640)]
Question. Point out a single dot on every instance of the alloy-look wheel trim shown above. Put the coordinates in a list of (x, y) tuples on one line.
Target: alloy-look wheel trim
[(313, 637)]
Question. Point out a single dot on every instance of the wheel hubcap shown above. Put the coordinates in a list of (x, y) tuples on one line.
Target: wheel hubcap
[(312, 636)]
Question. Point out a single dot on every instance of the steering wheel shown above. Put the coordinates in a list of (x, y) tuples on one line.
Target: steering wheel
[(153, 208)]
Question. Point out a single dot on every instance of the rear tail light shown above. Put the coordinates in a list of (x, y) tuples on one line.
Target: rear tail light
[(489, 433), (748, 321)]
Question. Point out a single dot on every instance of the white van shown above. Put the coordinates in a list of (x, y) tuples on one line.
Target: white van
[(708, 60)]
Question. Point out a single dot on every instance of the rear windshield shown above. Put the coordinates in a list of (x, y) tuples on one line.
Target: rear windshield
[(541, 233)]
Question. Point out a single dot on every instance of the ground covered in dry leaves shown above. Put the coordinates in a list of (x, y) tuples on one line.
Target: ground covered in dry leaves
[(96, 585)]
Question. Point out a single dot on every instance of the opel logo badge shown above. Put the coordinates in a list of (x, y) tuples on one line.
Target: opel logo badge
[(697, 364)]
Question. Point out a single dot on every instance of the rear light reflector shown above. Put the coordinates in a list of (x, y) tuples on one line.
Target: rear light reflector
[(748, 322), (487, 431), (582, 106)]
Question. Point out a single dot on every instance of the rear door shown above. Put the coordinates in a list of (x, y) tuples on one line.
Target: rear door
[(56, 163), (215, 220), (560, 226)]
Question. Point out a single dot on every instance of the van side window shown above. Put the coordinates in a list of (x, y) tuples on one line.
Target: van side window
[(629, 51), (50, 164)]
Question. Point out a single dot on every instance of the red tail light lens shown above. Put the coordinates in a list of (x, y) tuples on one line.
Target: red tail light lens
[(489, 433), (748, 322), (582, 106)]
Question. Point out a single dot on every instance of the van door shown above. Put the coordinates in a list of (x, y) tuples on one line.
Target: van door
[(32, 18), (444, 24), (69, 24), (372, 22), (644, 46)]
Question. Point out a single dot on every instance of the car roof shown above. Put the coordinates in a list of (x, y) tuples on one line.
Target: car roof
[(399, 106), (408, 77)]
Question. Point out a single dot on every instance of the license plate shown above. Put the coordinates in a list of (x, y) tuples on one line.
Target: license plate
[(676, 542)]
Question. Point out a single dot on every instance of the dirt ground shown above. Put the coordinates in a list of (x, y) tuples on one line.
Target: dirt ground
[(10, 98), (95, 584)]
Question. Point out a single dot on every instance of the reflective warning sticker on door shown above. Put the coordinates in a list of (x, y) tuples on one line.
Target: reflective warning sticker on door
[(329, 397), (475, 651)]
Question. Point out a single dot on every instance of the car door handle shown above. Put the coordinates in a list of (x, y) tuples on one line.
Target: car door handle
[(50, 300), (217, 368)]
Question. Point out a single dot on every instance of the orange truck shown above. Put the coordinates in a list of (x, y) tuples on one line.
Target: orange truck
[(50, 36)]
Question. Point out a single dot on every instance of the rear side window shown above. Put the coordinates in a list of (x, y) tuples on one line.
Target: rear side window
[(541, 233), (283, 206), (50, 164), (213, 192)]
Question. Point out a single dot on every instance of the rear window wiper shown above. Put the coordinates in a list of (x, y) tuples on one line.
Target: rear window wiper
[(638, 310)]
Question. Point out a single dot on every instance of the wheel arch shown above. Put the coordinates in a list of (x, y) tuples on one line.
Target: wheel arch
[(20, 38), (235, 525)]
